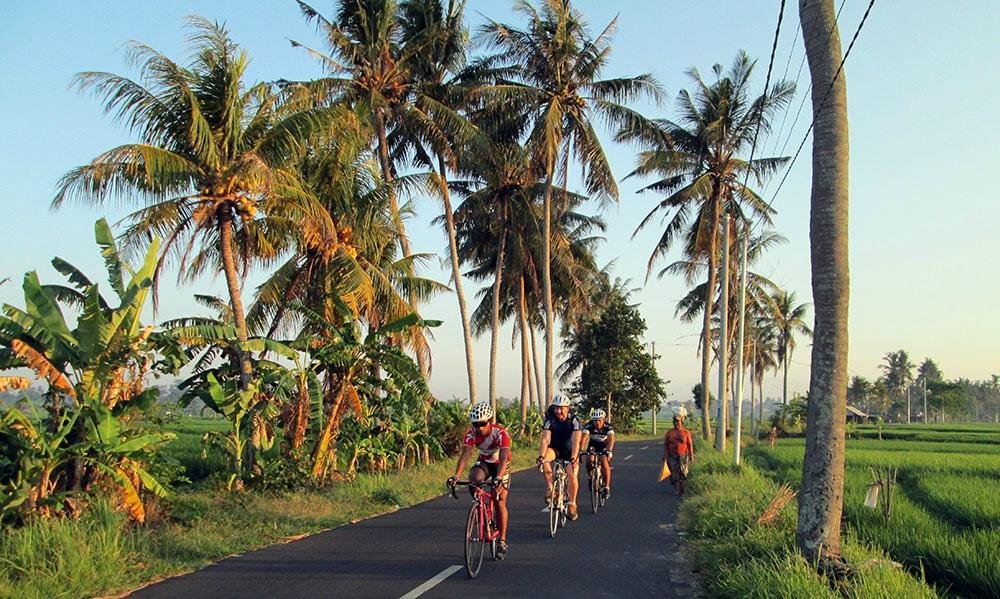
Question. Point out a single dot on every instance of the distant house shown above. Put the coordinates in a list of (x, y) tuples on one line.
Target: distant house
[(857, 416)]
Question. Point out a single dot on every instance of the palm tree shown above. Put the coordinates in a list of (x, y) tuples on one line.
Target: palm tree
[(697, 164), (821, 494), (788, 320), (211, 152), (376, 56), (898, 374), (552, 67)]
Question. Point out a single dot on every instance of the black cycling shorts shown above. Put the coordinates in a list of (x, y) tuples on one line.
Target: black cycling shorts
[(491, 469)]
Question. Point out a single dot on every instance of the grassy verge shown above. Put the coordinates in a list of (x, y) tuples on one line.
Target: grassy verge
[(201, 523), (740, 558)]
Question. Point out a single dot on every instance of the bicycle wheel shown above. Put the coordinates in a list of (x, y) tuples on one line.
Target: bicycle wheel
[(595, 489), (494, 535), (555, 508), (563, 503), (475, 545)]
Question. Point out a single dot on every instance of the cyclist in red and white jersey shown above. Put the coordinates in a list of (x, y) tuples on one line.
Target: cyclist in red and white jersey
[(493, 444)]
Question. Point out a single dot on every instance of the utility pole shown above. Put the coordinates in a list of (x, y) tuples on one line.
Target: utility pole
[(908, 389), (737, 434), (656, 408), (924, 381), (720, 437)]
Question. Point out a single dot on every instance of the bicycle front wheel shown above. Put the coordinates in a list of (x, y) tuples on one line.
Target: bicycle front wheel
[(555, 509), (595, 490), (475, 544)]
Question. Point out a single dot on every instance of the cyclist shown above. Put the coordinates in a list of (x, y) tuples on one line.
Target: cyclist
[(599, 441), (560, 439), (493, 443)]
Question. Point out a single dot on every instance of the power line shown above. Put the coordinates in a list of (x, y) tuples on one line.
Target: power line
[(822, 103)]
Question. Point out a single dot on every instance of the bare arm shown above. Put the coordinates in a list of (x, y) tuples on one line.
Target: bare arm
[(544, 445), (505, 454), (577, 441), (462, 459)]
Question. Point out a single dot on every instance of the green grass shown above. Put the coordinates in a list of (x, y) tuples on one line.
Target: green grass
[(740, 558), (946, 516)]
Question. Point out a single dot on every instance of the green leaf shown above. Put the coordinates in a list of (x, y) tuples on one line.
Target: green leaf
[(151, 484), (46, 313), (141, 442), (112, 259)]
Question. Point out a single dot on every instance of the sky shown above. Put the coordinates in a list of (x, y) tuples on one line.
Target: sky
[(922, 87)]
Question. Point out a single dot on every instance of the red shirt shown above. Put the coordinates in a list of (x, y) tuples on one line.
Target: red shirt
[(679, 441), (489, 443)]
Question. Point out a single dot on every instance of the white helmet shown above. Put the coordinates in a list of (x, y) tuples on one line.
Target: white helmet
[(481, 412), (560, 400), (597, 414)]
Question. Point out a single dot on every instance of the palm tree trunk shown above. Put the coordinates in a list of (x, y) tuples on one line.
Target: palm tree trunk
[(542, 402), (784, 384), (404, 241), (547, 282), (527, 393), (527, 342), (495, 333), (225, 223), (706, 330), (456, 275), (822, 492)]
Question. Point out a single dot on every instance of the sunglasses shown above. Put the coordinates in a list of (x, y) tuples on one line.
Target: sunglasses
[(479, 424)]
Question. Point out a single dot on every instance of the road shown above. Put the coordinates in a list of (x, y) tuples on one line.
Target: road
[(630, 549)]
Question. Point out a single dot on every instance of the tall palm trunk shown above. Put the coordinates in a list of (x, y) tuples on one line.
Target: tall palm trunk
[(525, 385), (822, 492), (526, 343), (542, 402), (456, 275), (495, 333), (706, 327), (397, 219), (224, 217), (547, 282), (784, 384)]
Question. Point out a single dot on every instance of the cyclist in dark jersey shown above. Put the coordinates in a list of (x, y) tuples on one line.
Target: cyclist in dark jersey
[(561, 440), (598, 442)]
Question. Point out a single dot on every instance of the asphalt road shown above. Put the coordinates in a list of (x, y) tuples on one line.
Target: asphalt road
[(629, 549)]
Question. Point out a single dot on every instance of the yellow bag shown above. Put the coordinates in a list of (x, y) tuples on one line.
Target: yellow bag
[(665, 471)]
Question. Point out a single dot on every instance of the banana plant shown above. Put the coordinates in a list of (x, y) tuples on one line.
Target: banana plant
[(94, 371)]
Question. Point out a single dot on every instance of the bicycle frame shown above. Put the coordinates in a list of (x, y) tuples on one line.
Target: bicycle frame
[(597, 499), (481, 528), (559, 506)]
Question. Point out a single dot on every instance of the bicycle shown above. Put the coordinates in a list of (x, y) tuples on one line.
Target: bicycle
[(596, 483), (559, 503), (481, 528)]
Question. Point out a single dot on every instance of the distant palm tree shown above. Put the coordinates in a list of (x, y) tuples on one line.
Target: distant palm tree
[(788, 320), (898, 373), (699, 167), (551, 69), (211, 152)]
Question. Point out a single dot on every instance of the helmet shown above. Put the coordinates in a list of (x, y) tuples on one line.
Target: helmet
[(560, 400), (481, 412), (597, 414)]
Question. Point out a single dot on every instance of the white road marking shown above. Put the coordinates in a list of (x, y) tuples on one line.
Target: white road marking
[(644, 447), (628, 457), (433, 582)]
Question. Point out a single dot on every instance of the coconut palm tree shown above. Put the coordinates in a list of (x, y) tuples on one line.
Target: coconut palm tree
[(698, 165), (211, 151), (898, 374), (788, 320), (821, 494), (376, 56), (552, 67)]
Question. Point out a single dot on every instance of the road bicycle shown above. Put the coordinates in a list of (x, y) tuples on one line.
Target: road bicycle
[(481, 530), (558, 506), (596, 483)]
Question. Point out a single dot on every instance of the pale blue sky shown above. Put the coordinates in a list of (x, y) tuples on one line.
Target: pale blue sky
[(922, 90)]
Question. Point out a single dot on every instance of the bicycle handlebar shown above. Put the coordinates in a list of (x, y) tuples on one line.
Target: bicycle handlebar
[(468, 483)]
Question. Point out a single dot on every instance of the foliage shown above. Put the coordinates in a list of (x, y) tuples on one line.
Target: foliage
[(696, 392), (790, 418), (613, 370), (96, 375)]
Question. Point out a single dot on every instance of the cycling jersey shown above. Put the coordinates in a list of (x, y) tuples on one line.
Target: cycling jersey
[(489, 444), (562, 435), (599, 437)]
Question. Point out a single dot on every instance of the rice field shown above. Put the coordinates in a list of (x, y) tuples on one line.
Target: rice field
[(945, 519)]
